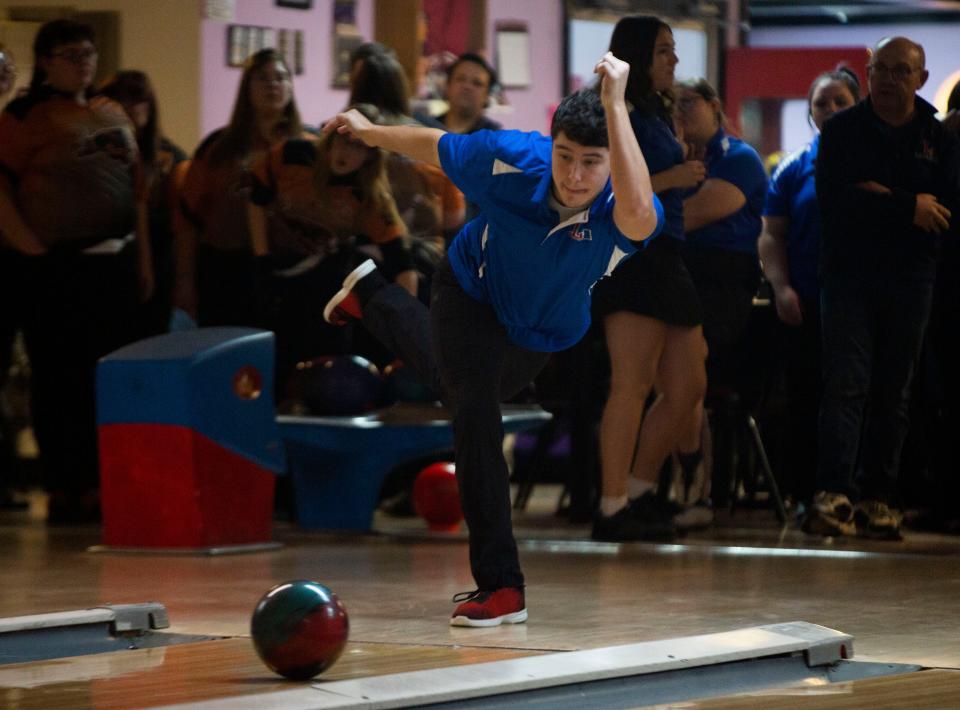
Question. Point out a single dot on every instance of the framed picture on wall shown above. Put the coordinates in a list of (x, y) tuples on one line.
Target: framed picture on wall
[(237, 38), (513, 54), (296, 4)]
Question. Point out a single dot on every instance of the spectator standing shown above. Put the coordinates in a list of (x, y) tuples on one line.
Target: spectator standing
[(69, 206), (789, 249), (216, 279), (888, 180), (649, 308), (163, 168), (721, 218)]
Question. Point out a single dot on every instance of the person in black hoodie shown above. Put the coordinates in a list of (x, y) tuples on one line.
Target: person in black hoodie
[(888, 182)]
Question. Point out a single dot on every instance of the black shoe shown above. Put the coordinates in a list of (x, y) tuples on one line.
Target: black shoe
[(626, 525), (400, 506), (65, 508)]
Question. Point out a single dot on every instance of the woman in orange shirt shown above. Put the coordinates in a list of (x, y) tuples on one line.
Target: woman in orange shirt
[(215, 274), (163, 168)]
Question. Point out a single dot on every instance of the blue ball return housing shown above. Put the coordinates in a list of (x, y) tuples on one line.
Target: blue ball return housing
[(339, 463)]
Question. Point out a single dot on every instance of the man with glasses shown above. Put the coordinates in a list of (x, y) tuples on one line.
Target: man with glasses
[(888, 187)]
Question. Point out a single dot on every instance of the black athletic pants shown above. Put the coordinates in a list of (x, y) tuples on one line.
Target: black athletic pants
[(460, 348)]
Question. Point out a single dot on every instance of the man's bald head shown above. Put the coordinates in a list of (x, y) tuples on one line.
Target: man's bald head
[(894, 76), (902, 44)]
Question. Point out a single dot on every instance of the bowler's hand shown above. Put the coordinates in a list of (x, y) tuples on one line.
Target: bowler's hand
[(788, 306), (930, 215), (351, 123), (613, 78)]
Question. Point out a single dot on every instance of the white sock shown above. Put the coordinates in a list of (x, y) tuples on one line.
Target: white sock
[(636, 487), (610, 505)]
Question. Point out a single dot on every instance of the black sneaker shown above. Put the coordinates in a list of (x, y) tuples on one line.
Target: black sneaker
[(646, 518), (875, 520)]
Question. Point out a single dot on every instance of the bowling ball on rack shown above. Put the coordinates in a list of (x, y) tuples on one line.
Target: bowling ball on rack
[(299, 628), (436, 497), (401, 384), (339, 385)]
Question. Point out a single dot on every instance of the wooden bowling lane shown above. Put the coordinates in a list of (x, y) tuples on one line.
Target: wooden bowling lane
[(206, 670), (930, 690)]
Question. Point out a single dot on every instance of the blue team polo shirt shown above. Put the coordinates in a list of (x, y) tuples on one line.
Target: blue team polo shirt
[(793, 194), (535, 271), (728, 158), (662, 151)]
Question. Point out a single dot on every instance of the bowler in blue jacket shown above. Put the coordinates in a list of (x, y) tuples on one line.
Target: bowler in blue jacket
[(515, 287)]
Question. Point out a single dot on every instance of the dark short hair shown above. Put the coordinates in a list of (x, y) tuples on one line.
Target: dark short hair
[(581, 118), (59, 32), (478, 60), (51, 35), (844, 74)]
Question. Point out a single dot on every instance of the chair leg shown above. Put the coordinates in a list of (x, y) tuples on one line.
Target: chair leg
[(526, 483), (767, 471)]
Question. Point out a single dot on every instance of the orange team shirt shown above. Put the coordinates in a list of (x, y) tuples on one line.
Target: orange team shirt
[(306, 221), (213, 197), (73, 171), (449, 199), (425, 196)]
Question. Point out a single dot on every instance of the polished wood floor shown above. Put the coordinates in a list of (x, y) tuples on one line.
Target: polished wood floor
[(901, 602)]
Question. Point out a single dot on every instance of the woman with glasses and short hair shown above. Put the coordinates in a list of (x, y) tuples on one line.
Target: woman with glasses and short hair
[(69, 208), (722, 220)]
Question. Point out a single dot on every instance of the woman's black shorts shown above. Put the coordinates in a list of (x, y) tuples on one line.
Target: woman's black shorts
[(653, 282)]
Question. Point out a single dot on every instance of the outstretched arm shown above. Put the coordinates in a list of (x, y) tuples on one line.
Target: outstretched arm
[(417, 142), (634, 212)]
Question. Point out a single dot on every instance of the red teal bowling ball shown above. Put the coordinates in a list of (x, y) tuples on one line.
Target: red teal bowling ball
[(299, 629), (436, 497)]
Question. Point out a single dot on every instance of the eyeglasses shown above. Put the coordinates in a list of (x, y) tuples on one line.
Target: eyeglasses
[(898, 72), (75, 56), (685, 103)]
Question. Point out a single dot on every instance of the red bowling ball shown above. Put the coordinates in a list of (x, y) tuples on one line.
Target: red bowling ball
[(436, 497), (299, 629)]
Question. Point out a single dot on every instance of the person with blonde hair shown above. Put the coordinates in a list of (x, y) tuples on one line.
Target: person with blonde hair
[(330, 206)]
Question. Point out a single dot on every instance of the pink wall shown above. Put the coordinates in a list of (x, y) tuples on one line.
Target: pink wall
[(544, 19), (315, 97), (318, 101)]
